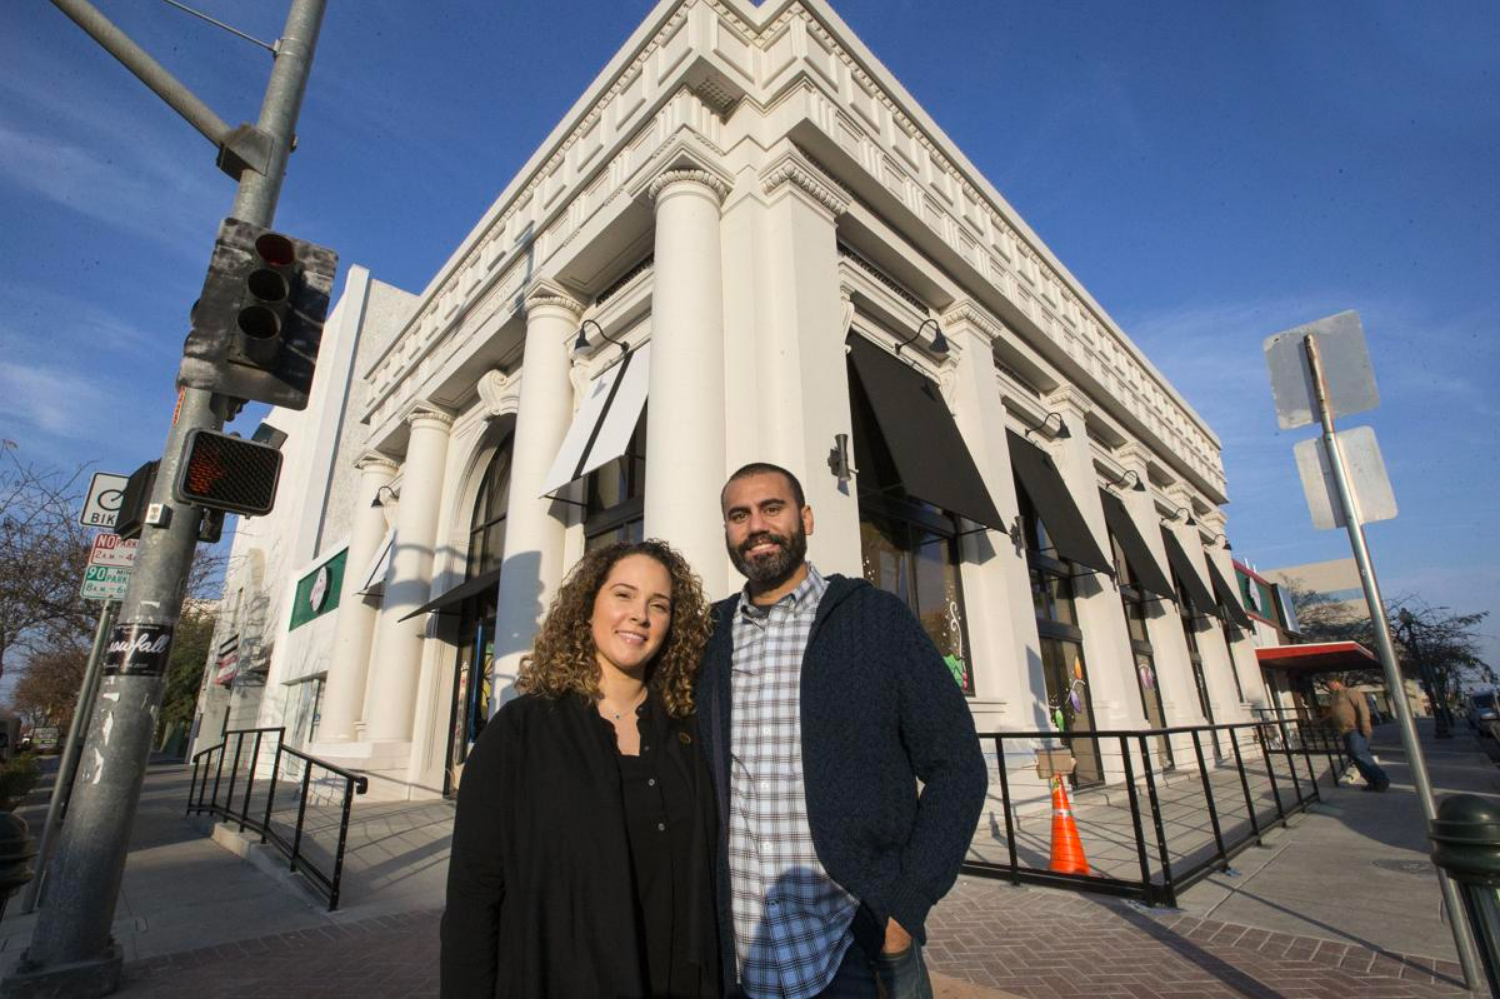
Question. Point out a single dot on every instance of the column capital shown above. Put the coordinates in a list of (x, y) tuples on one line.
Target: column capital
[(544, 297), (500, 393), (430, 415), (1069, 397), (1135, 457), (374, 461), (700, 177), (966, 313), (794, 171)]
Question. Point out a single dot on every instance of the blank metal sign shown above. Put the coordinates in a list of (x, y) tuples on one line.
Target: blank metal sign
[(1346, 370)]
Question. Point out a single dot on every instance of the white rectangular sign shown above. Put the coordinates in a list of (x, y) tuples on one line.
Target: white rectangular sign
[(1367, 479), (113, 550), (104, 582), (1347, 372), (102, 508)]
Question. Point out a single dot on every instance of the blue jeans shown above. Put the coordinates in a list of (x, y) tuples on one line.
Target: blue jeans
[(1358, 748), (885, 976)]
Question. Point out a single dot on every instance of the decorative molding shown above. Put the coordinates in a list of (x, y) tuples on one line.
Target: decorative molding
[(538, 303), (1136, 457), (375, 460), (967, 312), (1072, 397), (846, 312), (821, 188), (688, 176), (498, 392), (426, 411)]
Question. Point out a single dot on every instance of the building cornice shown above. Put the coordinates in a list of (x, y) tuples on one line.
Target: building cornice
[(797, 172)]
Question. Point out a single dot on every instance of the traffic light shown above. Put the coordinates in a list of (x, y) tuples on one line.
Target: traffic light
[(258, 322), (224, 472)]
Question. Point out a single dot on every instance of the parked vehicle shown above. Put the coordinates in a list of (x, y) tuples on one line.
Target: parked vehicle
[(1484, 713)]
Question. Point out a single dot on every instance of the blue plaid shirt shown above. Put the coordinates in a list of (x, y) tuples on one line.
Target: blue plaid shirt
[(791, 920)]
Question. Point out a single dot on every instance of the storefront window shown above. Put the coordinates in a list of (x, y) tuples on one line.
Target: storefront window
[(909, 548), (1135, 602), (615, 494), (476, 615), (1069, 700)]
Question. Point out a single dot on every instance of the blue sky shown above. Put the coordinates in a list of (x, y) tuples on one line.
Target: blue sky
[(1212, 172)]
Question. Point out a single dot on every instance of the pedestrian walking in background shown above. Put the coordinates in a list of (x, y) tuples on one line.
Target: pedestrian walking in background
[(1351, 715), (582, 858), (823, 704)]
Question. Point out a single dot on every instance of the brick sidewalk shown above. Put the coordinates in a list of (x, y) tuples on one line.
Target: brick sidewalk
[(1033, 943)]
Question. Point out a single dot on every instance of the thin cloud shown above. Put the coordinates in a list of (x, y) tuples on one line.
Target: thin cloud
[(50, 399)]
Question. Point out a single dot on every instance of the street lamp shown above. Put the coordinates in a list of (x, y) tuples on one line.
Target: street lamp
[(1063, 433), (939, 342), (581, 343)]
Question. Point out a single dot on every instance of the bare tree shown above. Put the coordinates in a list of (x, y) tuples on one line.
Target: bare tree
[(43, 552)]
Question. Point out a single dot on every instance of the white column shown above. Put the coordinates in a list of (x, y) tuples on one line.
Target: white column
[(348, 662), (1101, 614), (398, 644), (685, 429), (1009, 687), (534, 528), (798, 366)]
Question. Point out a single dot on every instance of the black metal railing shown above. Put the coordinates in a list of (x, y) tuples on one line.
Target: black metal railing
[(1149, 832), (249, 798)]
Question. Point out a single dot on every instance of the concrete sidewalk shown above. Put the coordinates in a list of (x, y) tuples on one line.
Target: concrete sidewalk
[(195, 919), (1355, 869)]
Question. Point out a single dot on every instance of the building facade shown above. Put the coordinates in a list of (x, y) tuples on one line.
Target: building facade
[(745, 242)]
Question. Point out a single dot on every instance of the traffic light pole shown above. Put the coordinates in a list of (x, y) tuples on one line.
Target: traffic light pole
[(72, 953)]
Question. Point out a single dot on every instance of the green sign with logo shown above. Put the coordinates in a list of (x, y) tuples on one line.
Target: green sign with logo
[(318, 591)]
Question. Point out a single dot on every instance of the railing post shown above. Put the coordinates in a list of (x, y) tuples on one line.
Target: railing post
[(1239, 763), (265, 827), (1010, 824), (218, 775), (1161, 834), (1291, 764), (1208, 796), (1260, 734), (1312, 772), (1328, 750), (1148, 891), (338, 858), (250, 781), (234, 773), (192, 787), (301, 812)]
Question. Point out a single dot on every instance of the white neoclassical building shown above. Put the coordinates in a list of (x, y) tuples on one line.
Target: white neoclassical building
[(764, 244)]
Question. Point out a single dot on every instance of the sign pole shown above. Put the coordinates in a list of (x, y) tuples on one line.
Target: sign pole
[(1467, 956), (72, 952), (72, 749)]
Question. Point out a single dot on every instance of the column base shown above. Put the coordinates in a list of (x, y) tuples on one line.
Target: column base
[(98, 976)]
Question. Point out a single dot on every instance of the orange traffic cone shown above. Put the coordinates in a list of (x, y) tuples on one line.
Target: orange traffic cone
[(1067, 848)]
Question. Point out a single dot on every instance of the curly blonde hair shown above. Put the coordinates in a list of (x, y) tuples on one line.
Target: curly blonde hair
[(562, 661)]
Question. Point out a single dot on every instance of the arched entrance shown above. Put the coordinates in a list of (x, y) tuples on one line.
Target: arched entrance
[(475, 636)]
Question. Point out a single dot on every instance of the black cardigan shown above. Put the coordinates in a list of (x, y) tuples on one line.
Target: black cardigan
[(880, 711), (540, 894)]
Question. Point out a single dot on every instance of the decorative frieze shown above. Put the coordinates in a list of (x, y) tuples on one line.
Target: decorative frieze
[(689, 176)]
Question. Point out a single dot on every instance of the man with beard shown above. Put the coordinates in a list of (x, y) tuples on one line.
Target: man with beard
[(822, 703)]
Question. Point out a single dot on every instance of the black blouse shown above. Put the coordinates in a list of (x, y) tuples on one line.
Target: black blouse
[(658, 802)]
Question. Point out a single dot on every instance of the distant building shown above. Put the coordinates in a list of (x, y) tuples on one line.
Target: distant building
[(756, 234), (1337, 596)]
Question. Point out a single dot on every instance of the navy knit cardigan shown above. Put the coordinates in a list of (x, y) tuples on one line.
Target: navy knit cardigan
[(880, 712)]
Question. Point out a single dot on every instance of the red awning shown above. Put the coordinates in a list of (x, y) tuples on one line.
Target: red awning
[(1318, 657)]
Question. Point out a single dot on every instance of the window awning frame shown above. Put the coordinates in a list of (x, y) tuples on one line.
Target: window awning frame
[(1228, 599), (1044, 485), (603, 425), (1144, 568), (929, 452), (450, 601), (1198, 596)]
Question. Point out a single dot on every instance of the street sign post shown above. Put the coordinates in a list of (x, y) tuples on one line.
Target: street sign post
[(1319, 371), (102, 508)]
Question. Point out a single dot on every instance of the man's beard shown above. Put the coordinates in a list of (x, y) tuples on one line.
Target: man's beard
[(772, 570)]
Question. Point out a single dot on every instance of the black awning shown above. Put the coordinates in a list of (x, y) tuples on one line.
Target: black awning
[(1228, 599), (1197, 594), (1143, 566), (930, 456), (450, 602), (1050, 498)]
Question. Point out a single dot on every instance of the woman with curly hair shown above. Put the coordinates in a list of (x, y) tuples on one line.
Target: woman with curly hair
[(582, 862)]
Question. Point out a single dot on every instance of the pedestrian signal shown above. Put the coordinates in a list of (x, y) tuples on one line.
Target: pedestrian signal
[(224, 472)]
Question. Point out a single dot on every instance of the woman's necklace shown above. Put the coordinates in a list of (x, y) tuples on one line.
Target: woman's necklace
[(607, 709)]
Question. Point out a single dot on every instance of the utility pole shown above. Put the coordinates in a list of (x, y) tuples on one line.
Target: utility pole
[(72, 953)]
